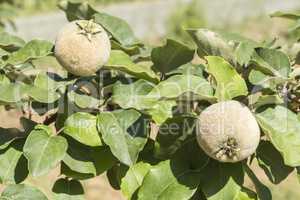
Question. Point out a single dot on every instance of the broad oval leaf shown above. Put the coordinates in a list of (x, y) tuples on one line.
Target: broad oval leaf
[(118, 28), (170, 56), (125, 132), (10, 42), (32, 50), (22, 192), (13, 92), (272, 61), (83, 128), (43, 151), (229, 83), (164, 181), (283, 129), (232, 47), (65, 189), (84, 101), (122, 62), (179, 85), (134, 178)]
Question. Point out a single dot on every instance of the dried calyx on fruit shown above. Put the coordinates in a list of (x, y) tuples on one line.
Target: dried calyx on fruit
[(228, 132), (82, 47)]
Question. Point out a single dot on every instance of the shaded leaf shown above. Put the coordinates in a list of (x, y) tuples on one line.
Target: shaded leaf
[(270, 160), (263, 192), (228, 180), (170, 56), (125, 132), (8, 135), (91, 161), (83, 128), (13, 165), (64, 189)]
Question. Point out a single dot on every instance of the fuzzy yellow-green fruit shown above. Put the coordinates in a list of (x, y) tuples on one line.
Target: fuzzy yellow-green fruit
[(228, 131), (82, 47)]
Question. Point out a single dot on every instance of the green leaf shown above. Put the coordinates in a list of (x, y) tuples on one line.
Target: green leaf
[(83, 128), (263, 192), (118, 28), (91, 161), (134, 95), (13, 164), (270, 160), (231, 47), (22, 192), (65, 189), (84, 101), (258, 100), (32, 50), (229, 83), (165, 181), (227, 180), (134, 178), (170, 56), (42, 95), (189, 69), (43, 81), (243, 53), (179, 85), (177, 178), (43, 151), (122, 62), (257, 77), (10, 42), (272, 61), (283, 129), (13, 92), (125, 132), (288, 15)]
